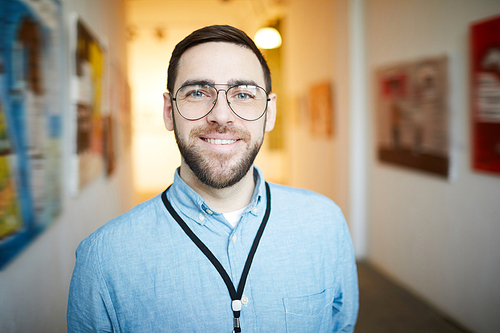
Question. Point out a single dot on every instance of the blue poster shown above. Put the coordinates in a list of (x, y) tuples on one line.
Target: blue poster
[(30, 121)]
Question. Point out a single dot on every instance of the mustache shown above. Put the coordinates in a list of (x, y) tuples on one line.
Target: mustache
[(224, 129)]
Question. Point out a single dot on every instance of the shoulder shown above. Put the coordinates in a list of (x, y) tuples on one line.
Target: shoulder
[(125, 227), (306, 217), (291, 197), (298, 206)]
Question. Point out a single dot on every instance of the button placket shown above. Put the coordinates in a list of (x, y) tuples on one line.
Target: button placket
[(236, 255)]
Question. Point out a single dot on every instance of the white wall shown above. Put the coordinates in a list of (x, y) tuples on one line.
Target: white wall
[(317, 47), (308, 51), (34, 286), (440, 238)]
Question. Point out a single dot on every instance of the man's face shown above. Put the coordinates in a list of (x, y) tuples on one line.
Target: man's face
[(220, 148)]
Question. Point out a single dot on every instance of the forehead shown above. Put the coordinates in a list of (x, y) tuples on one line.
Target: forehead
[(219, 63)]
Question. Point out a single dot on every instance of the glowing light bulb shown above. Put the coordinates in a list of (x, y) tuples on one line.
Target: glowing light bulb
[(267, 38)]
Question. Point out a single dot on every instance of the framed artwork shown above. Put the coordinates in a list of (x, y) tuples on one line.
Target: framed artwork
[(31, 79), (117, 122), (321, 109), (126, 114), (412, 115), (89, 117), (485, 94)]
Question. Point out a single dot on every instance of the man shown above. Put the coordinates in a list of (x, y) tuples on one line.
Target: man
[(220, 250)]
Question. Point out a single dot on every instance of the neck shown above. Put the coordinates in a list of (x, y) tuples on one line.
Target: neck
[(223, 200)]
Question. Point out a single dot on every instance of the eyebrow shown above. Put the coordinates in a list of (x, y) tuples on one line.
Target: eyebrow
[(197, 82), (243, 82), (202, 82)]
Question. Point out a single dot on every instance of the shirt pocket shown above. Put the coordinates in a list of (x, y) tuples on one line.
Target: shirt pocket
[(311, 313)]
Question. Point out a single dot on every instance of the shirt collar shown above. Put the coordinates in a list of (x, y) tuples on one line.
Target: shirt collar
[(191, 204)]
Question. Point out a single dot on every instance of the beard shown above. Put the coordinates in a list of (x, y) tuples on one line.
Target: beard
[(213, 169)]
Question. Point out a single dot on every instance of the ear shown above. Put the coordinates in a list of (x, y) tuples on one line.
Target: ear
[(168, 112), (271, 112)]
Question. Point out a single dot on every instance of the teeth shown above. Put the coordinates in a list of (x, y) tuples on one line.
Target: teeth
[(220, 141)]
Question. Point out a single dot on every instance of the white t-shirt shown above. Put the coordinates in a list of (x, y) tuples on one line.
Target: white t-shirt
[(234, 217)]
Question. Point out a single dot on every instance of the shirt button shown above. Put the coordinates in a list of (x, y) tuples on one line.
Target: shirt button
[(255, 210), (233, 239), (209, 211), (244, 300), (201, 217)]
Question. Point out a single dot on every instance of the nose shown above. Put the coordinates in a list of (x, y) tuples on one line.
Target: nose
[(221, 112)]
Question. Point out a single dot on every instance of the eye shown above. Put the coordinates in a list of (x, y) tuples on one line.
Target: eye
[(243, 93), (195, 92), (243, 96)]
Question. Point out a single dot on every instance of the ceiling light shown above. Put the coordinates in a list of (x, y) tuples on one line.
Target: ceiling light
[(267, 38)]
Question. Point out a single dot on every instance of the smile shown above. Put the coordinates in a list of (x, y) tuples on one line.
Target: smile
[(220, 141)]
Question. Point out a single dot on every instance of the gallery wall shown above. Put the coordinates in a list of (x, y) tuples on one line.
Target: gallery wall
[(308, 53), (34, 284), (438, 236), (316, 49)]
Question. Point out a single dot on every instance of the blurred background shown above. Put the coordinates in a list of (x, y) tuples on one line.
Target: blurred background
[(375, 111)]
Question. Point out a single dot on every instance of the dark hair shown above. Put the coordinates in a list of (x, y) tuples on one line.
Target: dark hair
[(215, 33)]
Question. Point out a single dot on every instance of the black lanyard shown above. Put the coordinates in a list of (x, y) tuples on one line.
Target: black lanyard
[(235, 294)]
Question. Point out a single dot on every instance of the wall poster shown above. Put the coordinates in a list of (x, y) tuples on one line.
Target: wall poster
[(321, 110), (88, 100), (412, 115), (116, 124), (30, 121), (485, 94)]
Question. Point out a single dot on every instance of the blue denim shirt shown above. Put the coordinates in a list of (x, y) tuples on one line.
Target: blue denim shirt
[(141, 273)]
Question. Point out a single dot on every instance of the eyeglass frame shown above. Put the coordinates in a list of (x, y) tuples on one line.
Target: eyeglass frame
[(230, 86)]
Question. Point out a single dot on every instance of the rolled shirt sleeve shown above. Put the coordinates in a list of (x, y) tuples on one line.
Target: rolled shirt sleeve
[(88, 301)]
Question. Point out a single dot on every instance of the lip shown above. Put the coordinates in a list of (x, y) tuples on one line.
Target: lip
[(218, 138), (221, 139), (218, 142)]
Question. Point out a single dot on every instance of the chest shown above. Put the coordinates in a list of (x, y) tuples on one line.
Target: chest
[(170, 283)]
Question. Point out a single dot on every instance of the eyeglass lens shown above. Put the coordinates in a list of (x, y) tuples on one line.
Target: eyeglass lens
[(248, 102)]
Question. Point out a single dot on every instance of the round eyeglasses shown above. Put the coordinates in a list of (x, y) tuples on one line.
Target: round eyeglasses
[(247, 101)]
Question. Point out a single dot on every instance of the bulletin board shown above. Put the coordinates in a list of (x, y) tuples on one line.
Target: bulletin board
[(31, 60)]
